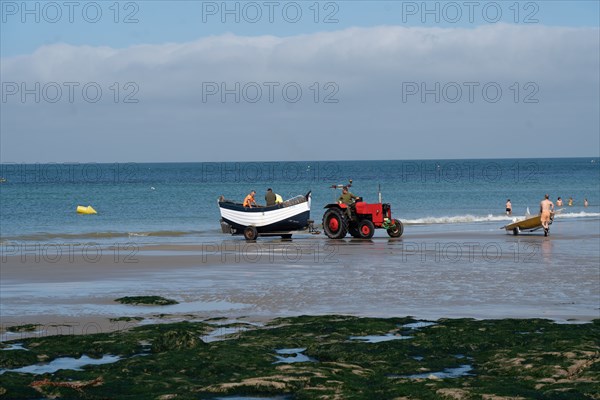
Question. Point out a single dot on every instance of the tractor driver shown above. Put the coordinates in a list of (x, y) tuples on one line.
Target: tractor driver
[(347, 198)]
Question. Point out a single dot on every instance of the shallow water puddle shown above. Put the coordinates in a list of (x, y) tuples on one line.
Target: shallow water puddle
[(379, 338), (64, 363), (418, 325), (460, 371), (221, 333), (295, 356), (14, 346)]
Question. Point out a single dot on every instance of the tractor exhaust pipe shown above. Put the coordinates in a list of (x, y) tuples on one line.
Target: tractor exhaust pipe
[(379, 193)]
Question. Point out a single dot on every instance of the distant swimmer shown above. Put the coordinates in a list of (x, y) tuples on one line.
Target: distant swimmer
[(559, 202), (249, 201), (508, 207), (546, 209), (585, 203), (570, 202)]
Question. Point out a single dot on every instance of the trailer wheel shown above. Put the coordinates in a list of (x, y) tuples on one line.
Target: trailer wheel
[(366, 229), (250, 233), (397, 230), (335, 224), (515, 231)]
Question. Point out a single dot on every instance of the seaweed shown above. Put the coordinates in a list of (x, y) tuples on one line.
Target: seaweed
[(534, 359), (146, 300)]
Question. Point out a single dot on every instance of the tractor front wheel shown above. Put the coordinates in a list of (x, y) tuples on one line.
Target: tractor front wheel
[(335, 224), (366, 229), (396, 230)]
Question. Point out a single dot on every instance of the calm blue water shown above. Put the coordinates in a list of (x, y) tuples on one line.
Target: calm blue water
[(178, 201)]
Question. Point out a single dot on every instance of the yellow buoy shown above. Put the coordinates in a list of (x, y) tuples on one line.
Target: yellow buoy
[(86, 210)]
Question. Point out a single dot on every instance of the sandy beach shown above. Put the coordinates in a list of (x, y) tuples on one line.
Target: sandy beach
[(427, 275)]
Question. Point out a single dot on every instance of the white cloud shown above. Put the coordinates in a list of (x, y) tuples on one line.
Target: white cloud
[(369, 67)]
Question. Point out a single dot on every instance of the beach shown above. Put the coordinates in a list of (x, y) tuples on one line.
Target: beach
[(475, 273)]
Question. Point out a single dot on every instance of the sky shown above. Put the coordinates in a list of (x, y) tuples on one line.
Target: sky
[(158, 81)]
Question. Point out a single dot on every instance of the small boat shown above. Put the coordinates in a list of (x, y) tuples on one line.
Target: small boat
[(282, 219), (530, 223)]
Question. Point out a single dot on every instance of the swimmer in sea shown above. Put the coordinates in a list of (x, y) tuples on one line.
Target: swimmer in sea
[(559, 202), (508, 207)]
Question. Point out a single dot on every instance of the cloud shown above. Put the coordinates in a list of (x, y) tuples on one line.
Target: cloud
[(357, 100)]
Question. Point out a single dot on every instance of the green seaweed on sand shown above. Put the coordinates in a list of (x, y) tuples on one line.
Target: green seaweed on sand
[(507, 358), (23, 328), (146, 300), (126, 319)]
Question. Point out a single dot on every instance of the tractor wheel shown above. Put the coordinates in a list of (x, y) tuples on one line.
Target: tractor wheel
[(397, 230), (335, 224), (366, 229), (250, 233)]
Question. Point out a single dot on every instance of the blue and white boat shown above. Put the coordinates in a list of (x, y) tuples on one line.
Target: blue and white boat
[(282, 219)]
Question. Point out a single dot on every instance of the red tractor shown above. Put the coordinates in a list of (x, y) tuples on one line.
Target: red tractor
[(361, 220)]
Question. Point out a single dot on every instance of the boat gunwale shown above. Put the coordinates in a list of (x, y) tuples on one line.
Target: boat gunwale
[(235, 206)]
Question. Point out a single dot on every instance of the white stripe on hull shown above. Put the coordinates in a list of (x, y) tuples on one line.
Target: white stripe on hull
[(264, 218)]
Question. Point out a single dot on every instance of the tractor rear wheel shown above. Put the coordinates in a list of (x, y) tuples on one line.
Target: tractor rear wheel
[(366, 229), (397, 230), (250, 233), (335, 224)]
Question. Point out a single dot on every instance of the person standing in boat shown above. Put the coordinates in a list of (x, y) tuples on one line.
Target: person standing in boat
[(270, 197), (249, 201), (546, 209), (508, 207)]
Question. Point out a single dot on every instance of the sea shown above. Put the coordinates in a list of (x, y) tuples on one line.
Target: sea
[(151, 203)]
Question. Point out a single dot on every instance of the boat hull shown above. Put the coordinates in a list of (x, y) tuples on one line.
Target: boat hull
[(280, 218), (530, 224)]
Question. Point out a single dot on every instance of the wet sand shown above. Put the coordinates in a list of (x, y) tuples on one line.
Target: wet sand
[(426, 275)]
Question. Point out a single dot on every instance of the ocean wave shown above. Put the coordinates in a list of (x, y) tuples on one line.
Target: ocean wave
[(456, 219), (468, 218), (94, 235), (581, 214)]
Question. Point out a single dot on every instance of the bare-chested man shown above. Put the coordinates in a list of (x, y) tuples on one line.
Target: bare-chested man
[(546, 209)]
